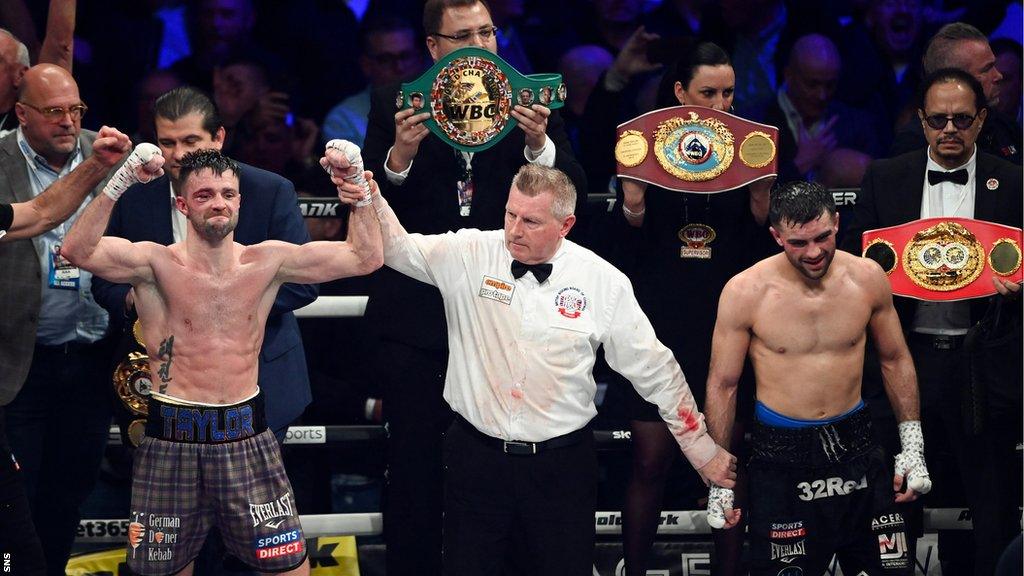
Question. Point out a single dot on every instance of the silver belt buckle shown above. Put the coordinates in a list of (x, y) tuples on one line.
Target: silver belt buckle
[(526, 447)]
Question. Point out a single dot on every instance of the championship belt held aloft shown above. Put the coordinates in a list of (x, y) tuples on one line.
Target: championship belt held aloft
[(696, 149), (946, 259), (470, 94)]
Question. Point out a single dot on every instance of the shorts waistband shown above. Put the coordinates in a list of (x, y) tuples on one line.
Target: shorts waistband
[(812, 446), (766, 415), (204, 424), (518, 448)]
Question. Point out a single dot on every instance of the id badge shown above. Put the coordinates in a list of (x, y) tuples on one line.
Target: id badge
[(63, 275), (465, 189)]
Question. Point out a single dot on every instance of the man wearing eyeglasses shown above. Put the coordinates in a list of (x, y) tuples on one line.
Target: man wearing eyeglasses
[(952, 177), (53, 371), (434, 189)]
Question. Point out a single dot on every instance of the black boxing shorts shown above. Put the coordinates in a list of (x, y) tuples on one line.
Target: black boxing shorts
[(819, 490)]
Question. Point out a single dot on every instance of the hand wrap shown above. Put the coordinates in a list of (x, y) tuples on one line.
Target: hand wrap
[(129, 173)]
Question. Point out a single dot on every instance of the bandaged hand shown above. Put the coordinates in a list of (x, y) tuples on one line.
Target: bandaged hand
[(720, 508), (143, 164), (910, 462), (353, 172)]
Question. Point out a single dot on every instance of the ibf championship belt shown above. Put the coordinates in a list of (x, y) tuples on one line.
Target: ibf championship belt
[(132, 385), (696, 149), (470, 94), (946, 259)]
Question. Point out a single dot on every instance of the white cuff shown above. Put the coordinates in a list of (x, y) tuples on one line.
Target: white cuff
[(546, 156), (396, 178)]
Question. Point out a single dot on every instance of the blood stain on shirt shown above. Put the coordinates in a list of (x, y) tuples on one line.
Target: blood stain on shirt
[(690, 422)]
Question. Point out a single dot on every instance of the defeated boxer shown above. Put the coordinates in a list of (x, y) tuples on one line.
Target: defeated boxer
[(819, 484)]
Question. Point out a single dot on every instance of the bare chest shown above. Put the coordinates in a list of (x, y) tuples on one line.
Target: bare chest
[(200, 302), (797, 322)]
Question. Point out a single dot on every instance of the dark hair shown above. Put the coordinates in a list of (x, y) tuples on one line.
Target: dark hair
[(433, 12), (799, 202), (950, 75), (942, 48), (185, 100), (684, 69), (201, 159)]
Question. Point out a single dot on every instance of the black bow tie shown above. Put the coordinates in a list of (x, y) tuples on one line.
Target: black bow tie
[(956, 177), (540, 271)]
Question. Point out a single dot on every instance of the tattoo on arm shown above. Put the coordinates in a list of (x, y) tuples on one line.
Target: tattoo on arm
[(166, 353)]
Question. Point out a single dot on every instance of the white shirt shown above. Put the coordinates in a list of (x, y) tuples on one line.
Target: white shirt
[(955, 201), (179, 223), (522, 353)]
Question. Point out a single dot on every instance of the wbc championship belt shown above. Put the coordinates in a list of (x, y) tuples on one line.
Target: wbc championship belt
[(132, 385), (696, 149), (470, 94), (946, 259)]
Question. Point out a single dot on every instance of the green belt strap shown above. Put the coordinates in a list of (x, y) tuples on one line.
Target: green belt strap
[(470, 94)]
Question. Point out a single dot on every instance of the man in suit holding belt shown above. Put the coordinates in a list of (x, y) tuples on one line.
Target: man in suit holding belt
[(953, 178), (434, 189), (187, 120)]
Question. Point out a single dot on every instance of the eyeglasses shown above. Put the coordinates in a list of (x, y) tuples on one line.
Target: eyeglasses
[(484, 33), (960, 121), (55, 114)]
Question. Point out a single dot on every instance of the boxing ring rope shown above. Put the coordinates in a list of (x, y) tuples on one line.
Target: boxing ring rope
[(607, 523)]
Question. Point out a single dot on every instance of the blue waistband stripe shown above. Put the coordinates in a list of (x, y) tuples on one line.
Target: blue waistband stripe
[(766, 415)]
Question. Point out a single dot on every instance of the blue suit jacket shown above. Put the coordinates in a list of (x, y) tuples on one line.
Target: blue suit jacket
[(269, 211)]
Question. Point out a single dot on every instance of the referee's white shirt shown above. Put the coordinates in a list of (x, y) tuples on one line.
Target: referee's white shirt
[(522, 353)]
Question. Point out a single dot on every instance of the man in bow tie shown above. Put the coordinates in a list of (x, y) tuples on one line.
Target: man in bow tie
[(527, 310), (952, 177)]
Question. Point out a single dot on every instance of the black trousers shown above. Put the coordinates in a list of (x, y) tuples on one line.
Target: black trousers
[(982, 469), (58, 426), (412, 381), (20, 548), (538, 507)]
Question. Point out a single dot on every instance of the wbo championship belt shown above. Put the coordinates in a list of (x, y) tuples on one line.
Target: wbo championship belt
[(696, 149), (470, 94), (946, 259), (132, 385)]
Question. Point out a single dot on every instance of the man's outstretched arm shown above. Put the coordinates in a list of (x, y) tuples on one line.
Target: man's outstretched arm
[(115, 259), (62, 198), (361, 252)]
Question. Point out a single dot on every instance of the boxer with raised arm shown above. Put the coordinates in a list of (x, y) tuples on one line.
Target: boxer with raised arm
[(208, 455), (819, 484)]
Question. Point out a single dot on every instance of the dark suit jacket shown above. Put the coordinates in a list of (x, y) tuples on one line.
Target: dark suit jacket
[(20, 276), (891, 194), (427, 202), (269, 211)]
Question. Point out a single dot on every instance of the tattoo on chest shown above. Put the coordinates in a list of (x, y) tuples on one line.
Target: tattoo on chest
[(166, 353)]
